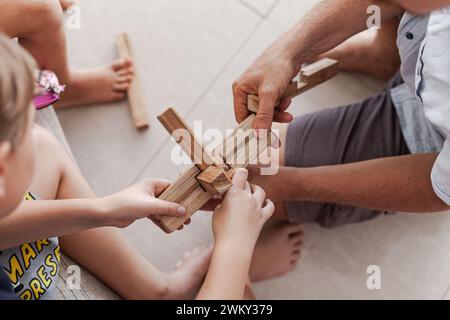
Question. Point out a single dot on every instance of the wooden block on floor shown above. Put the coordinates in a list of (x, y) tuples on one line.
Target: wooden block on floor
[(136, 100)]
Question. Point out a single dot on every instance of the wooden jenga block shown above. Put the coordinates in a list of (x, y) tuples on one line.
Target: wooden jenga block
[(215, 180), (135, 96), (184, 136)]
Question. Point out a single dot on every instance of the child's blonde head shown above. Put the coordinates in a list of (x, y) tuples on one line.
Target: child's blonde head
[(16, 90)]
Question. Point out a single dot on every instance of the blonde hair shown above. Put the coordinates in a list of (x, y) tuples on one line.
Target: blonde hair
[(16, 90)]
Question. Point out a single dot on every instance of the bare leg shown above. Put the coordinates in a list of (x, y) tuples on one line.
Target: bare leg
[(372, 51), (105, 252), (42, 34)]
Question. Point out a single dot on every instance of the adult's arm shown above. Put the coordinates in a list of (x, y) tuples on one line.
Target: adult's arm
[(397, 184), (328, 24)]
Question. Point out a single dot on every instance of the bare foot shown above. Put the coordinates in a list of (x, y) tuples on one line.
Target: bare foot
[(185, 282), (277, 251), (100, 85), (372, 51), (66, 4)]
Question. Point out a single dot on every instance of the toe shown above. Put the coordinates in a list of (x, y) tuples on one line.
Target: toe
[(125, 72), (121, 87), (295, 257), (124, 79), (295, 228), (119, 96), (122, 64), (296, 239)]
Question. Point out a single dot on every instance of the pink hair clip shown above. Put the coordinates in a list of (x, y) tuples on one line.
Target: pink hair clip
[(48, 89)]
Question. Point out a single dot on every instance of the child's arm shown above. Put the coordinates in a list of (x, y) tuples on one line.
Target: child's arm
[(237, 224), (35, 220)]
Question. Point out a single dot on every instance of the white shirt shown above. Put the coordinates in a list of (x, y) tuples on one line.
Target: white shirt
[(433, 88)]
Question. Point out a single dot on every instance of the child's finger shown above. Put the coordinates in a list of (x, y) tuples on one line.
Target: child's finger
[(166, 208), (240, 179), (259, 194), (248, 188), (268, 210)]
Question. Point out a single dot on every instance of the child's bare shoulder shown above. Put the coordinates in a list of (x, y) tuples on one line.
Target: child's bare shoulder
[(45, 140)]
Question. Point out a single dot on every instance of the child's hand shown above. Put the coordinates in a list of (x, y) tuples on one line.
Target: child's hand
[(138, 202), (243, 213)]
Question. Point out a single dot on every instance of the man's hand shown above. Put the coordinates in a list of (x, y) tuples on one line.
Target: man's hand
[(138, 202), (268, 77)]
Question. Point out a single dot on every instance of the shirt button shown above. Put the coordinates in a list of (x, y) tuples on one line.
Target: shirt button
[(409, 36)]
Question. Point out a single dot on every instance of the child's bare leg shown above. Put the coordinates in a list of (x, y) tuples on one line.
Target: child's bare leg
[(43, 35), (104, 251), (372, 51)]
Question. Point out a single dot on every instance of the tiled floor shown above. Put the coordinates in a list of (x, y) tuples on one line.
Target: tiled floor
[(188, 53)]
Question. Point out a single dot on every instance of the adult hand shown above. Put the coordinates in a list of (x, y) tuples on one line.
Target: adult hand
[(268, 78)]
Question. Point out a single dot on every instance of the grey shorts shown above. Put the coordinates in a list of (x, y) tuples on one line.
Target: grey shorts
[(362, 131)]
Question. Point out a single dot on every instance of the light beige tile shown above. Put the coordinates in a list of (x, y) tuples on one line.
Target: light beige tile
[(411, 250), (180, 47)]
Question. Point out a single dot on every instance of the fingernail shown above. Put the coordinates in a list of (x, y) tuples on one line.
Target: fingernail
[(182, 211)]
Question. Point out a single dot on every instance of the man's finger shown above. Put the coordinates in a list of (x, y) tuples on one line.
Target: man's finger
[(166, 208), (285, 104), (282, 117), (240, 179), (267, 103), (240, 103)]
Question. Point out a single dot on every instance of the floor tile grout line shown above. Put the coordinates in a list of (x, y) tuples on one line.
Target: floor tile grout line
[(225, 66), (202, 95), (272, 7), (252, 9), (256, 11), (445, 293)]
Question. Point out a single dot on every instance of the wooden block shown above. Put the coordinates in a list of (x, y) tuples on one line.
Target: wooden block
[(135, 96), (215, 180), (187, 190), (320, 71), (310, 77), (184, 136)]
